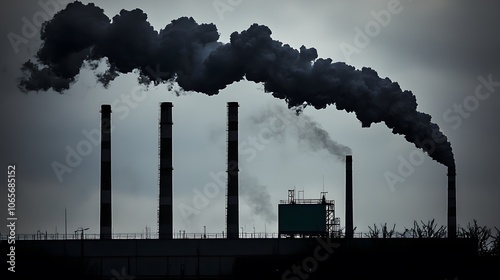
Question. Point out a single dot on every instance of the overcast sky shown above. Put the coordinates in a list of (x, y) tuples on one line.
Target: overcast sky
[(440, 50)]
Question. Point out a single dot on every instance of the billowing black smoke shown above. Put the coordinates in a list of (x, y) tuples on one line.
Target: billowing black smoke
[(189, 54)]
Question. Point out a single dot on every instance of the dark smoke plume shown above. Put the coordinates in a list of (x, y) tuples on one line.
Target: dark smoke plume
[(189, 54)]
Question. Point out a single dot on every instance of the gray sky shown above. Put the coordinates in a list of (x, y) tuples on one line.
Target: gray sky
[(436, 49)]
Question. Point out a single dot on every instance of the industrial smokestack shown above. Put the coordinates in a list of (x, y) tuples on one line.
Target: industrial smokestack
[(105, 220), (232, 171), (452, 207), (165, 211), (349, 229)]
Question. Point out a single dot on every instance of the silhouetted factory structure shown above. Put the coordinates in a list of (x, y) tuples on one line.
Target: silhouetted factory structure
[(311, 243), (323, 215)]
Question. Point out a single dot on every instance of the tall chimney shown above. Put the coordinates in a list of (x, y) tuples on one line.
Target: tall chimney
[(349, 229), (165, 211), (105, 219), (232, 171), (452, 207)]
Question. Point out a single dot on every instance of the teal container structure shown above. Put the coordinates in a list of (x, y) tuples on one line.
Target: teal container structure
[(307, 219)]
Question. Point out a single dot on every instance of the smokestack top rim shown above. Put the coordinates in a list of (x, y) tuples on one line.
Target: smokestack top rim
[(105, 108), (166, 104)]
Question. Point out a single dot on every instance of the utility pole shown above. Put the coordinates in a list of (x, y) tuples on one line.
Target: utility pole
[(65, 224)]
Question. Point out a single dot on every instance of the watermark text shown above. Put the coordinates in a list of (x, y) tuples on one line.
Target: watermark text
[(11, 219)]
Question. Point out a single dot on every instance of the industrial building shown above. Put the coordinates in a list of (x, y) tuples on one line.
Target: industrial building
[(311, 244)]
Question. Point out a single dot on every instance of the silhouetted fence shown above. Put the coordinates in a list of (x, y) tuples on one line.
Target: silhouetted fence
[(185, 235)]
